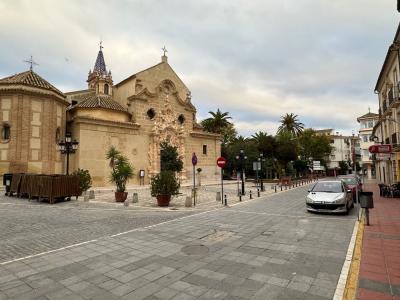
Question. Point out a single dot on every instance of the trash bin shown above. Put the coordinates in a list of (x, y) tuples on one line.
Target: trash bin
[(366, 200), (7, 182)]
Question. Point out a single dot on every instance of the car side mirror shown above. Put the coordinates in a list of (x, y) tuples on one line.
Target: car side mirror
[(309, 191)]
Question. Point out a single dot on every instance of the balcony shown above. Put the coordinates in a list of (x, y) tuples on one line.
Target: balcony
[(384, 106), (394, 138), (387, 141), (393, 94)]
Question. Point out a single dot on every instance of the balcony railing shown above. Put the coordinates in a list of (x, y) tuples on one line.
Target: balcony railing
[(387, 141), (394, 138), (393, 94), (384, 106)]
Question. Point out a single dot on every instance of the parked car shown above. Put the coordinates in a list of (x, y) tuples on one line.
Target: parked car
[(330, 196), (353, 183)]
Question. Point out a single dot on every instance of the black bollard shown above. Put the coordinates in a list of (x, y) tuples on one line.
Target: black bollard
[(240, 197), (258, 192), (226, 200), (281, 187), (275, 188), (251, 196)]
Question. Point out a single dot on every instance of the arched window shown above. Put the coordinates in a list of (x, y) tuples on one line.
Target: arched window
[(181, 119), (5, 132), (106, 89)]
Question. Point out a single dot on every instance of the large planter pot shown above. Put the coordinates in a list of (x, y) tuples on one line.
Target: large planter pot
[(163, 200), (121, 196)]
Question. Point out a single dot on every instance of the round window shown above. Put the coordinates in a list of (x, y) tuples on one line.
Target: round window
[(151, 113)]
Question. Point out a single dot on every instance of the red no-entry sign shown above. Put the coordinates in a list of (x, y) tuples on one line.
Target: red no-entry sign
[(221, 162)]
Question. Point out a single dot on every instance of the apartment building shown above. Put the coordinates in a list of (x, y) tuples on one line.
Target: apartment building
[(367, 123)]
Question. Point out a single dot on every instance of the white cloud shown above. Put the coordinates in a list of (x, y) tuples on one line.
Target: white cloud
[(256, 59)]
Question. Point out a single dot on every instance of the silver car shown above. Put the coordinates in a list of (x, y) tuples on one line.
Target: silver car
[(330, 196)]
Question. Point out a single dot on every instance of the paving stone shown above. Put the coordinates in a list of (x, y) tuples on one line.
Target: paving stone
[(166, 293)]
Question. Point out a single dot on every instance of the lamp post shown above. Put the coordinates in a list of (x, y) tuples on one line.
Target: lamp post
[(68, 146), (261, 159), (241, 158)]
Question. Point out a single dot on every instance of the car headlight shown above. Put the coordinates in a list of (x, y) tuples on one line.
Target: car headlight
[(309, 200), (339, 199)]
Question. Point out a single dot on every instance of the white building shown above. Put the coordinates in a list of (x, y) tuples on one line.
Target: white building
[(367, 123), (345, 148)]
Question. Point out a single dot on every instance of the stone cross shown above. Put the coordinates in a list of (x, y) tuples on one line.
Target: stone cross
[(164, 49)]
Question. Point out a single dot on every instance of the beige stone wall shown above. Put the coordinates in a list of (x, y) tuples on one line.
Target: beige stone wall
[(109, 115), (95, 139), (33, 121)]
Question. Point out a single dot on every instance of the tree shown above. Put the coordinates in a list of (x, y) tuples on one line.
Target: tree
[(170, 160), (217, 123), (344, 167), (286, 150), (291, 124), (313, 146), (266, 144)]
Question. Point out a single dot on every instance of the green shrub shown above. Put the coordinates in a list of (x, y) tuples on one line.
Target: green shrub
[(164, 183), (121, 169), (85, 180)]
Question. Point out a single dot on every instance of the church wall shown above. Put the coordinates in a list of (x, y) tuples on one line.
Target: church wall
[(122, 92), (207, 162), (95, 140), (103, 114), (33, 121)]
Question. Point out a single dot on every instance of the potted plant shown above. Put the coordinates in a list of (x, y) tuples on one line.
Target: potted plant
[(85, 180), (163, 186), (121, 172)]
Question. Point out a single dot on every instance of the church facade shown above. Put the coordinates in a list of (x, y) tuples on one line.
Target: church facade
[(135, 115)]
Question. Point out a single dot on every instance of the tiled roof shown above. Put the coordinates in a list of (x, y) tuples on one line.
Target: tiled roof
[(91, 100), (100, 65), (30, 78)]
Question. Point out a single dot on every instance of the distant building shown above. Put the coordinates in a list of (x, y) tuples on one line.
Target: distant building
[(345, 148), (367, 123)]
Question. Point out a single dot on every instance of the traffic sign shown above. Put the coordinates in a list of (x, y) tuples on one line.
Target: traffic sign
[(221, 162), (385, 148), (194, 159), (256, 165)]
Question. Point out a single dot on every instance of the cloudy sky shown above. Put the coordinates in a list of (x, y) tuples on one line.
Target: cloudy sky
[(256, 59)]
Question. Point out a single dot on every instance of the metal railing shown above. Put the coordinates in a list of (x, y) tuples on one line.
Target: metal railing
[(393, 94)]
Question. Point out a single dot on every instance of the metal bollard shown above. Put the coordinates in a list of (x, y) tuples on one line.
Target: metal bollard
[(225, 200), (275, 188), (240, 197), (251, 195), (281, 187), (258, 192), (285, 187), (91, 194), (218, 197), (135, 198)]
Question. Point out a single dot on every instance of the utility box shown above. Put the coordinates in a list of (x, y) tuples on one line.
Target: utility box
[(366, 200)]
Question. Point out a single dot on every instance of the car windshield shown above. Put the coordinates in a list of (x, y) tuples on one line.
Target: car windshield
[(350, 180), (328, 187)]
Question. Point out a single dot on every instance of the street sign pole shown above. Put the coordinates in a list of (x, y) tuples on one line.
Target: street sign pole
[(221, 162), (194, 163)]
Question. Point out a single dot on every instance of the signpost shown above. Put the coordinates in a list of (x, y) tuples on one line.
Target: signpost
[(194, 163), (257, 167), (221, 162), (316, 165)]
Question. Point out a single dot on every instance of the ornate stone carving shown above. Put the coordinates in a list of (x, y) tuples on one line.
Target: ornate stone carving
[(166, 128)]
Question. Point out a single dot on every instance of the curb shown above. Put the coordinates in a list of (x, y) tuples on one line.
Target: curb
[(348, 280)]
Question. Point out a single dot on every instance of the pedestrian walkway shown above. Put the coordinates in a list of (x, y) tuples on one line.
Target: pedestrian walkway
[(379, 276)]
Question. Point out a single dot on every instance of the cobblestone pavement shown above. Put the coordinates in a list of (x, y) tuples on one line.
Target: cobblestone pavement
[(269, 248)]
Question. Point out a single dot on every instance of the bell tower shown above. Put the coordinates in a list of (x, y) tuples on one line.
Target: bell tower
[(99, 79)]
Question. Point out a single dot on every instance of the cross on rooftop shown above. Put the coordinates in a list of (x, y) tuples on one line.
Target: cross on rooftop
[(101, 45), (31, 62), (164, 49)]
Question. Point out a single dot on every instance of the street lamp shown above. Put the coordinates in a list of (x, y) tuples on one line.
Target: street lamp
[(68, 146), (241, 158), (261, 159)]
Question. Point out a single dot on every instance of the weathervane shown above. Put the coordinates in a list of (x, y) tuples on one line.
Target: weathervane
[(31, 62), (101, 46), (164, 49)]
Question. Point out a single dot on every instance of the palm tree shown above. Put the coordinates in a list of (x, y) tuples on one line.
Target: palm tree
[(291, 124), (217, 123), (259, 137)]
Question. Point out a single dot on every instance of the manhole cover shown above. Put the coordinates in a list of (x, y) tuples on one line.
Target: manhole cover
[(195, 250)]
